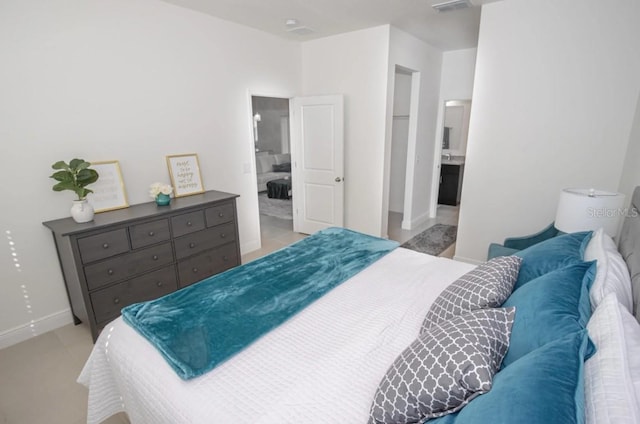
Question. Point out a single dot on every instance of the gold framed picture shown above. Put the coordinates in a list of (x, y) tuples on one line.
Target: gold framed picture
[(184, 171), (108, 192)]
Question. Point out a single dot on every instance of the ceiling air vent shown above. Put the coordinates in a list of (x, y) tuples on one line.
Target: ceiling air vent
[(300, 30), (448, 6), (293, 26)]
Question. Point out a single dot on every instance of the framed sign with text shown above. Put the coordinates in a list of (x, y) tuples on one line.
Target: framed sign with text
[(108, 192), (184, 171)]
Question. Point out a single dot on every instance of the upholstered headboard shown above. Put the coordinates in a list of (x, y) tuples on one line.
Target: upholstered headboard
[(630, 248)]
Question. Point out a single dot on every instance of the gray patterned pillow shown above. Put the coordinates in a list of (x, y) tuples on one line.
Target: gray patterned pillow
[(444, 369), (486, 286)]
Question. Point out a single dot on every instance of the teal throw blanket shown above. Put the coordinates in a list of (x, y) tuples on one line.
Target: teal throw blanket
[(202, 325)]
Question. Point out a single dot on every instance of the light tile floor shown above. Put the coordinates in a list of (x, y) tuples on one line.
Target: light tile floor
[(38, 376), (276, 233), (444, 215)]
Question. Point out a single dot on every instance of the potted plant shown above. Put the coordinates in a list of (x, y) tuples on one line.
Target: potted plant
[(76, 176), (161, 192)]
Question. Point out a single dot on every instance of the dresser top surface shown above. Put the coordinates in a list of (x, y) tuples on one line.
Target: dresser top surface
[(67, 226)]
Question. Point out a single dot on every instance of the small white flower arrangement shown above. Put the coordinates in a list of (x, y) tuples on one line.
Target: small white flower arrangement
[(159, 188)]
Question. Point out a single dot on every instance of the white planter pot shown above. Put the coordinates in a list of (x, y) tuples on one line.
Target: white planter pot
[(82, 211)]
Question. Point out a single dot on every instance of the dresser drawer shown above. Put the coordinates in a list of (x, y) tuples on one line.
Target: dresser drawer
[(108, 302), (103, 245), (187, 223), (122, 256), (126, 266), (195, 243), (149, 233), (206, 264), (219, 214)]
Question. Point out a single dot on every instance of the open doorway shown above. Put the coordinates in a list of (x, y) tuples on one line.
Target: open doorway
[(299, 166), (454, 130), (402, 224), (273, 166), (399, 148), (433, 233)]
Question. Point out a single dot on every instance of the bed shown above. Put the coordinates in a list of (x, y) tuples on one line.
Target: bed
[(328, 362)]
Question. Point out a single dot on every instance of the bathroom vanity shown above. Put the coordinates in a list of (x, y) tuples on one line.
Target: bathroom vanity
[(451, 172)]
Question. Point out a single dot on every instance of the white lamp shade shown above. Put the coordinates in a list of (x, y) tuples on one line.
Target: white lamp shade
[(588, 209)]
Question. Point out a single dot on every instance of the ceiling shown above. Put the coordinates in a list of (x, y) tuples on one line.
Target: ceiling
[(453, 30)]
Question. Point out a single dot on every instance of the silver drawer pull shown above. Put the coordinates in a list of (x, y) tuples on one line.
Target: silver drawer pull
[(225, 259), (105, 246), (189, 224), (110, 271), (221, 215), (223, 235), (192, 245), (195, 270), (155, 257), (151, 234), (116, 300), (159, 283)]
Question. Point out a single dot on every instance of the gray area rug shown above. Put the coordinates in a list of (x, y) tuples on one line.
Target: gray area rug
[(434, 240), (278, 208)]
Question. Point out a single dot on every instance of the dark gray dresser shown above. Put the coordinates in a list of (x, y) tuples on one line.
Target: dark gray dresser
[(143, 252)]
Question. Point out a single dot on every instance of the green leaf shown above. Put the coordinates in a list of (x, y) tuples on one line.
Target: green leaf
[(83, 165), (75, 164), (82, 192), (86, 177), (74, 177), (60, 165), (62, 176), (64, 185)]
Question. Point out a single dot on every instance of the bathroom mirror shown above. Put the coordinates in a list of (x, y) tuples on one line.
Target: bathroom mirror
[(456, 127)]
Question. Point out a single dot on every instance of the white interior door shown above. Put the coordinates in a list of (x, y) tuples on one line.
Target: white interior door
[(317, 144)]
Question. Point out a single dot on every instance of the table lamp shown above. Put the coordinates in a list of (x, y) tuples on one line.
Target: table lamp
[(589, 209)]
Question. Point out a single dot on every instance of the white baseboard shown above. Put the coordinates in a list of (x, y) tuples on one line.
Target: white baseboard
[(35, 328), (249, 247), (468, 260), (409, 225)]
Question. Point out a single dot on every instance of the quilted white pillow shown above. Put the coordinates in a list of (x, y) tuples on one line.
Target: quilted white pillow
[(612, 374), (612, 274)]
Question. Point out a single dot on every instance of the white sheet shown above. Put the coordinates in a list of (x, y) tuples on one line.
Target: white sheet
[(321, 366)]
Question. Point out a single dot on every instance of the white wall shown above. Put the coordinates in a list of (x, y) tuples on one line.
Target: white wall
[(355, 65), (425, 61), (458, 67), (361, 65), (131, 80), (631, 171), (554, 98)]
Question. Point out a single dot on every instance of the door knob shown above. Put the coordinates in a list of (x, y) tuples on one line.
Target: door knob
[(338, 179)]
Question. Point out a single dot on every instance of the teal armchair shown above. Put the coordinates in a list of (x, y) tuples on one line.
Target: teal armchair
[(512, 245)]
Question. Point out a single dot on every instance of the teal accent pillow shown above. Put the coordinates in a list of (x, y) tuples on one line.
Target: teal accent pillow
[(550, 307), (544, 387), (551, 254)]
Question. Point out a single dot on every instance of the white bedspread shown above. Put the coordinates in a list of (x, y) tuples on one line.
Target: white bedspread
[(321, 366)]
